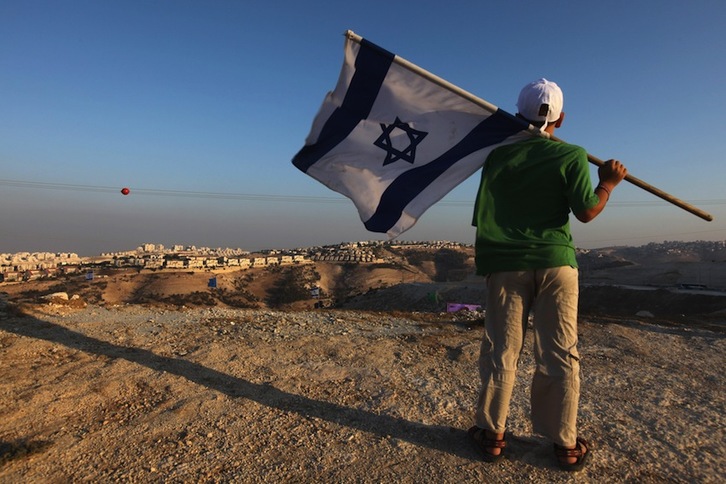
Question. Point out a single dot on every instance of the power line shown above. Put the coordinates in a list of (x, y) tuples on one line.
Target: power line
[(171, 193), (272, 198)]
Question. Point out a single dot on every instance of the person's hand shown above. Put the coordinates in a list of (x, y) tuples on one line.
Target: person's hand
[(611, 173)]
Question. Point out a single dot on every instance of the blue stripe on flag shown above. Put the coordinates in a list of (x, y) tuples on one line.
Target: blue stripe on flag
[(407, 186), (371, 67)]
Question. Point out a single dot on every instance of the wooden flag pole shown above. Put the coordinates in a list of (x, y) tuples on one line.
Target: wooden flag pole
[(535, 131), (651, 189)]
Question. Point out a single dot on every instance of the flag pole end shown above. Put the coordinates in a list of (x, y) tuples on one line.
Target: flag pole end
[(349, 34)]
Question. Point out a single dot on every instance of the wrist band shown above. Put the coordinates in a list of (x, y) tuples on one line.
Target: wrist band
[(606, 190)]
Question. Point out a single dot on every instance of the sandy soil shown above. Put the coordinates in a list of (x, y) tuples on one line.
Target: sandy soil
[(137, 394)]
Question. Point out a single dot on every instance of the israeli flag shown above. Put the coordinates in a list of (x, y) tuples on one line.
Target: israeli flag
[(394, 141)]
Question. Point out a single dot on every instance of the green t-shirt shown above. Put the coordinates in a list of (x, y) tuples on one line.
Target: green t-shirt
[(522, 208)]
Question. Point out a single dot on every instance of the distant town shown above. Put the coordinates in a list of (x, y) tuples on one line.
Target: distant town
[(29, 266), (26, 266)]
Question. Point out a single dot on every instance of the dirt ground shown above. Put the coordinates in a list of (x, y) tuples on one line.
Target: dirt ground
[(129, 393)]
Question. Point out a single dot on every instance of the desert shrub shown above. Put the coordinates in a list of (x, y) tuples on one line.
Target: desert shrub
[(418, 257), (93, 292), (196, 298), (239, 298), (450, 265), (293, 285)]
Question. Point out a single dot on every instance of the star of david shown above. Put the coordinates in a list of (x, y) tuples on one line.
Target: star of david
[(394, 154)]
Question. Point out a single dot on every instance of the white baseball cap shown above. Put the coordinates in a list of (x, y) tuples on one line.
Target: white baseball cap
[(540, 100)]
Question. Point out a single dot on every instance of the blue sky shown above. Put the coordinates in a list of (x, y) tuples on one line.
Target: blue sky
[(217, 97)]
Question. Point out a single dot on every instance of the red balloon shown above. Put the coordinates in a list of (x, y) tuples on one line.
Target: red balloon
[(125, 191)]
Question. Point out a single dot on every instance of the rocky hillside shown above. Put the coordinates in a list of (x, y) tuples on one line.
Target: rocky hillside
[(409, 280)]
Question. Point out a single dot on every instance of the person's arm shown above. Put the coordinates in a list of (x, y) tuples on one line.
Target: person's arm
[(610, 174)]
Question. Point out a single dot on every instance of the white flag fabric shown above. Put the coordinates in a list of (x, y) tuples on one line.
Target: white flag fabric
[(395, 142)]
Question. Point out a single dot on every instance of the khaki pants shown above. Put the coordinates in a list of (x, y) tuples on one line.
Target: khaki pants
[(552, 295)]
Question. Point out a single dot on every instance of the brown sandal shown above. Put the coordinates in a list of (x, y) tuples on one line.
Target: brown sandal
[(581, 452), (479, 437)]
